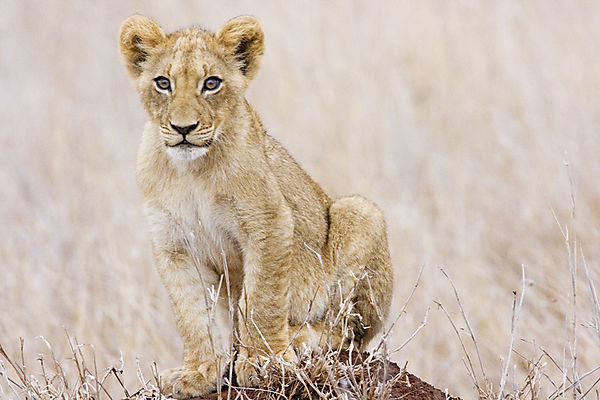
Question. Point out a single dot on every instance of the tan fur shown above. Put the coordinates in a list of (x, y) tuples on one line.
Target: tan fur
[(234, 201)]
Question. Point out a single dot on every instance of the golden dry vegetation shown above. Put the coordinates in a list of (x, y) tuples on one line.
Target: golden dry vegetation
[(457, 118)]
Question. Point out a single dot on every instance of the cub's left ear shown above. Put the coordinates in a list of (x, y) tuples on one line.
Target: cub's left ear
[(244, 39)]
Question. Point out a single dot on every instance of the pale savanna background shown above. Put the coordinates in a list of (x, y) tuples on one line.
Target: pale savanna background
[(457, 118)]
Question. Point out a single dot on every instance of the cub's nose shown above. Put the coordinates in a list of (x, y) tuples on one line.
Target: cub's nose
[(184, 130)]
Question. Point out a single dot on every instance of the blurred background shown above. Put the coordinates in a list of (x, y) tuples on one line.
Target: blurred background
[(473, 124)]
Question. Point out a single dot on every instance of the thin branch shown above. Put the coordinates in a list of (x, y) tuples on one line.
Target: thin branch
[(469, 367), (515, 318), (421, 326), (464, 315), (403, 310)]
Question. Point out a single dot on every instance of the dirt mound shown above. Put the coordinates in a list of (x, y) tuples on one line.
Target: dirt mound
[(372, 378)]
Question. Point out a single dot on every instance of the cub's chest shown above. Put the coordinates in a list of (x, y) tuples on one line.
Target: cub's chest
[(198, 224)]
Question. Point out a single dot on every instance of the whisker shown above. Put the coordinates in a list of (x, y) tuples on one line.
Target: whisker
[(200, 137), (208, 129)]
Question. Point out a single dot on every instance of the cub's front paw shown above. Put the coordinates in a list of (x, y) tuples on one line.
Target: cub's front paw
[(248, 369), (184, 383)]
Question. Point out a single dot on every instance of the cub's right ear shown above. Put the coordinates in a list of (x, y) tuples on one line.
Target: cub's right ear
[(139, 35)]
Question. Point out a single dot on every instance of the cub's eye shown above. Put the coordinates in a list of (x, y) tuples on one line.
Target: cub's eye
[(162, 83), (212, 83)]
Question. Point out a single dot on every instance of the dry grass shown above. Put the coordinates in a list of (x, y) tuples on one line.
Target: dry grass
[(330, 374), (457, 119), (335, 371)]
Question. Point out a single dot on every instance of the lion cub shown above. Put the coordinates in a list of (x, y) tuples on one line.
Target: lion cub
[(249, 247)]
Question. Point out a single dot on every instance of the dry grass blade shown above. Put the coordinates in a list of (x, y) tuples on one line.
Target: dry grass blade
[(402, 310), (412, 336), (576, 384), (596, 311), (15, 367), (470, 368), (464, 316), (515, 318)]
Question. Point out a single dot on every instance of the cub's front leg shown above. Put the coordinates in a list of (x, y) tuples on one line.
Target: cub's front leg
[(203, 325), (264, 302), (202, 320)]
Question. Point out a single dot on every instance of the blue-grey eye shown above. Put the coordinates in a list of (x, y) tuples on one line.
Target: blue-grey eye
[(212, 83), (162, 83)]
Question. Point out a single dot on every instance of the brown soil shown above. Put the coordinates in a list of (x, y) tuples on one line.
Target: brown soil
[(403, 385)]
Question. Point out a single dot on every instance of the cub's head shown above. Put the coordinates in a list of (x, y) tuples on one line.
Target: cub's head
[(191, 81)]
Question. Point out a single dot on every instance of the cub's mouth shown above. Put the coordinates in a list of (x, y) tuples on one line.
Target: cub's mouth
[(186, 150), (184, 144)]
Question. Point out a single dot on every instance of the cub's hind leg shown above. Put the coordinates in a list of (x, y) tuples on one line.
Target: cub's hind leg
[(358, 250)]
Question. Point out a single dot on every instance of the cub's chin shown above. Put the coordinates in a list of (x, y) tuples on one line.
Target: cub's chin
[(186, 152)]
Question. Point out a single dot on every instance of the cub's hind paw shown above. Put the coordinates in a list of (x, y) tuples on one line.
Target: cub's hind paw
[(184, 383)]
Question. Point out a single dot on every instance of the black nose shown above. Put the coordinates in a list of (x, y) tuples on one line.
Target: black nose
[(184, 130)]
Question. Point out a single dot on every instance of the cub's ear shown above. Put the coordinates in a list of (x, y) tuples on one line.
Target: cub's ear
[(244, 39), (139, 35)]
